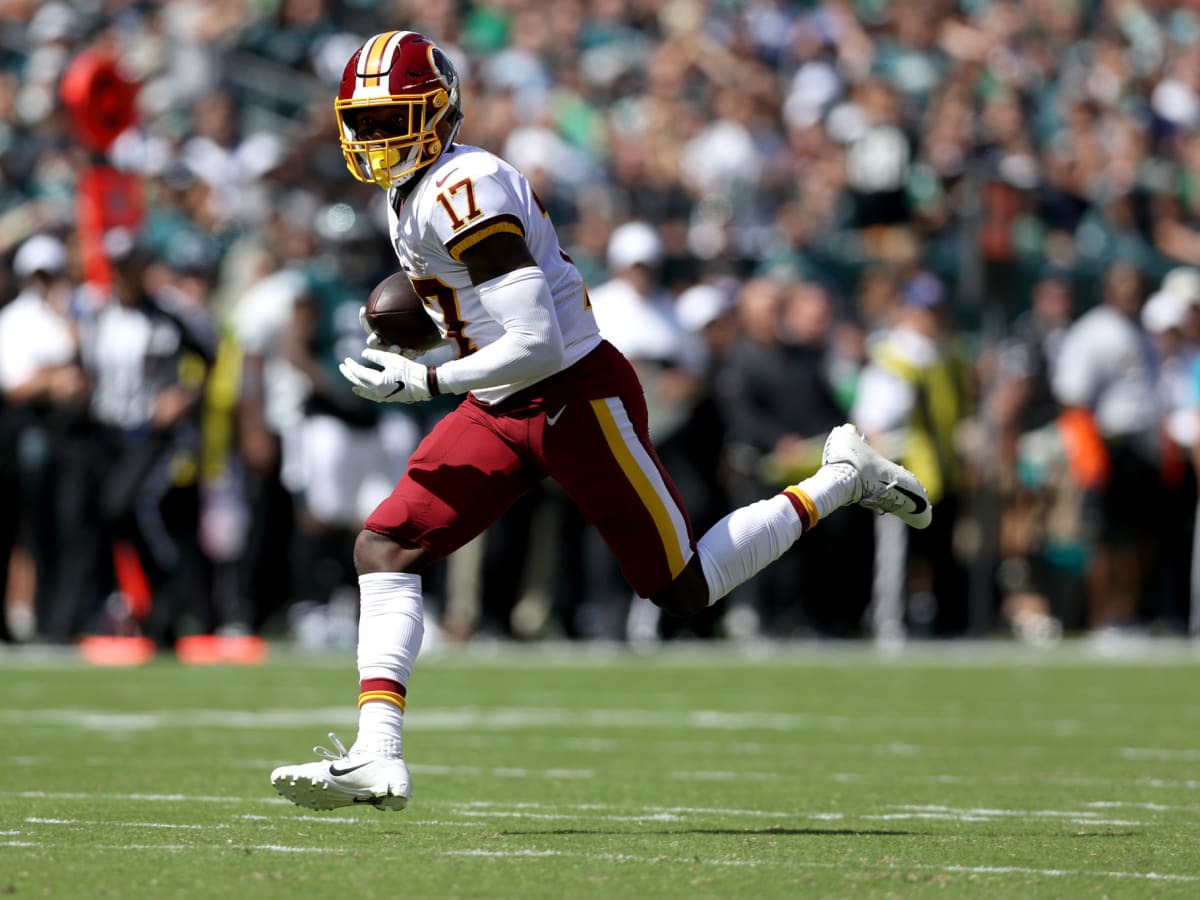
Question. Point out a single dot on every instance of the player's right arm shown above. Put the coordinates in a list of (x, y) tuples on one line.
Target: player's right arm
[(514, 292)]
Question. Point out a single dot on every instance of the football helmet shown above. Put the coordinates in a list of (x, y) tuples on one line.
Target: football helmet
[(411, 85)]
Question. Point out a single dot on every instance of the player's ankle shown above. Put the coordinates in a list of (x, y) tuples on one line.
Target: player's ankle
[(831, 487)]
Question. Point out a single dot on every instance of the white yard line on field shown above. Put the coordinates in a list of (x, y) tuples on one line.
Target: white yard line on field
[(501, 772), (1022, 870), (967, 817), (558, 817), (587, 808), (990, 812), (461, 719), (471, 812), (1134, 804), (660, 859), (802, 864), (337, 820), (269, 848), (152, 798), (725, 776), (477, 721), (35, 820), (1162, 754)]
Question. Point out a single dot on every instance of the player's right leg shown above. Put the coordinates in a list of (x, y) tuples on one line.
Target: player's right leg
[(460, 479), (346, 778)]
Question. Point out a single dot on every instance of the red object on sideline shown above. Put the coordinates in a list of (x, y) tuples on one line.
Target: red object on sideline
[(131, 580), (107, 199), (106, 650), (221, 650), (102, 101)]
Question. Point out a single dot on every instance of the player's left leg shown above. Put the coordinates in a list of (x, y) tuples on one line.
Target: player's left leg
[(608, 466), (750, 538)]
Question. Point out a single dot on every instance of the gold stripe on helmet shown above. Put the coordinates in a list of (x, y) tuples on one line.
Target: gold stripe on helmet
[(370, 68)]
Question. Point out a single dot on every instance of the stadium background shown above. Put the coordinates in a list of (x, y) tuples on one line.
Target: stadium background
[(799, 163)]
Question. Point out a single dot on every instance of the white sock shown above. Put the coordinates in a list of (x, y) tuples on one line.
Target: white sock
[(390, 629), (745, 542), (749, 539), (830, 487), (380, 725)]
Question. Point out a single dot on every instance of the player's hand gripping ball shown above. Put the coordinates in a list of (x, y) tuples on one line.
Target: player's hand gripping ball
[(397, 316)]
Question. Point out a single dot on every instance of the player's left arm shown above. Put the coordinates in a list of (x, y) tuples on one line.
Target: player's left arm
[(514, 291)]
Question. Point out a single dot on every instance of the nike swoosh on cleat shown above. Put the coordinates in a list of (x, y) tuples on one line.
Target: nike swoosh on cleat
[(918, 501), (336, 772)]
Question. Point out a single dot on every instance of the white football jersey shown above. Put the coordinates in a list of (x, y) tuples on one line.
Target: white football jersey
[(467, 195)]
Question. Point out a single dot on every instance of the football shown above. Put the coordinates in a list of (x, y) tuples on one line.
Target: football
[(397, 315)]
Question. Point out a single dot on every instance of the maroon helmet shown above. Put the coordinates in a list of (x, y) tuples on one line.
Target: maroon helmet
[(415, 80)]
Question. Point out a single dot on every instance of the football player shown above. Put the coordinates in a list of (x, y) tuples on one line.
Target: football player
[(546, 396)]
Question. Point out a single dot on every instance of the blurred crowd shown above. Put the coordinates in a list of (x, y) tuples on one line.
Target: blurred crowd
[(970, 227)]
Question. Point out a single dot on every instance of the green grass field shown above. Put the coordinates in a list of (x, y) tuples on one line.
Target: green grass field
[(965, 770)]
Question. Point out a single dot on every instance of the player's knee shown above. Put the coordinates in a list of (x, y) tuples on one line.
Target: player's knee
[(687, 594), (374, 552)]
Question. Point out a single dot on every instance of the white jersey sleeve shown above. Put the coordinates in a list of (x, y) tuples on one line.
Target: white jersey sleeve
[(466, 196)]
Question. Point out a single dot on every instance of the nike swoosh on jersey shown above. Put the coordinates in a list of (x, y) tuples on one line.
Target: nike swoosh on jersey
[(442, 180), (335, 772), (550, 420)]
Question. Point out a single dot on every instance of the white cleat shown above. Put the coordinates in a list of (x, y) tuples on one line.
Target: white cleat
[(345, 779), (883, 485)]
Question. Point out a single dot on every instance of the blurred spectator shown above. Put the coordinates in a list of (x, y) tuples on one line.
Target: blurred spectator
[(10, 486), (147, 352), (913, 395), (269, 411), (44, 397), (743, 400), (780, 402), (827, 142), (1107, 383), (1040, 549), (638, 316), (351, 451), (1165, 317)]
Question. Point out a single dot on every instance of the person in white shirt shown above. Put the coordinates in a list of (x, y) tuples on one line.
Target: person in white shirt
[(38, 344), (44, 394), (1107, 384)]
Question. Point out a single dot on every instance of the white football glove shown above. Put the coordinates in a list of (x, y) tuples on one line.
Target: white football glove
[(398, 380), (375, 342)]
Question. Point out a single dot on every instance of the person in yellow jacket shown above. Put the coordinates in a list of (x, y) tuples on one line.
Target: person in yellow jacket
[(911, 398)]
